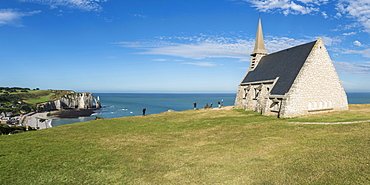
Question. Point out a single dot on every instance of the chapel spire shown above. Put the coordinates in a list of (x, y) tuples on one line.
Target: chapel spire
[(259, 47)]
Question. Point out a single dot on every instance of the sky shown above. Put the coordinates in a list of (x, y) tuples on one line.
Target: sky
[(174, 46)]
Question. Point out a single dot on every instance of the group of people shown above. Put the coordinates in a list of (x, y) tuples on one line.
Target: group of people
[(220, 104)]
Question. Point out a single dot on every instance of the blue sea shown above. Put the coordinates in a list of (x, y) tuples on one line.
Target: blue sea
[(131, 104)]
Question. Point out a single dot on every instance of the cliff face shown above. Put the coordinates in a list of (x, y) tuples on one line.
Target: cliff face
[(72, 101)]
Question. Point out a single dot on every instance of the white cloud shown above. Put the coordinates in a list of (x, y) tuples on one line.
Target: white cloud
[(288, 6), (350, 33), (338, 15), (160, 59), (364, 53), (206, 64), (357, 9), (87, 5), (274, 44), (140, 15), (197, 47), (349, 68), (202, 47), (201, 50), (323, 13), (13, 17), (357, 43), (317, 2), (351, 26), (330, 41)]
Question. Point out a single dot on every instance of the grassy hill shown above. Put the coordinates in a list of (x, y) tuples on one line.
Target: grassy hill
[(25, 99), (194, 147), (37, 96)]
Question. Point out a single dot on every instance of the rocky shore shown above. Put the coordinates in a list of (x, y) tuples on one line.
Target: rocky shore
[(72, 105), (71, 113)]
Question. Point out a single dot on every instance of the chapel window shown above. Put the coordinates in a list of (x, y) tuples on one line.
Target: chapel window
[(245, 93), (275, 106), (257, 92)]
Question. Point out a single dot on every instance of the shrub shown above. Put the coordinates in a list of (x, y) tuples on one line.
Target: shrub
[(5, 129), (17, 131), (98, 118)]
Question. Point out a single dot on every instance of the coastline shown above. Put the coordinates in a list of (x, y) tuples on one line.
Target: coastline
[(81, 115), (34, 120), (71, 113), (41, 120)]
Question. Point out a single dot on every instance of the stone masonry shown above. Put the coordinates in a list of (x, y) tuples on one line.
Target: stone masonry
[(296, 81)]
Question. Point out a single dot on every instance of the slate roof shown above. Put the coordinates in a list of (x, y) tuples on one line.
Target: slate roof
[(285, 64)]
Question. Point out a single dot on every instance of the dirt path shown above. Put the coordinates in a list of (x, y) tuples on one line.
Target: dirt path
[(222, 108), (308, 123), (335, 123)]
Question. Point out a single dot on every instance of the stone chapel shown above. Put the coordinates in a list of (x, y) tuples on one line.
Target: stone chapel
[(292, 82)]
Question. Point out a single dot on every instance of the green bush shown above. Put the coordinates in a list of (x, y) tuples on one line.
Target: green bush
[(5, 129), (17, 131)]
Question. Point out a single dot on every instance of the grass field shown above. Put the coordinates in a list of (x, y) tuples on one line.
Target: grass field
[(42, 96), (38, 96), (193, 147), (34, 96)]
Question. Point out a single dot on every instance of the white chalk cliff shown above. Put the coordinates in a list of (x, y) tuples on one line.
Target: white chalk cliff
[(73, 100)]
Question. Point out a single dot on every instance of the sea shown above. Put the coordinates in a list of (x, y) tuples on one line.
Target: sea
[(132, 104)]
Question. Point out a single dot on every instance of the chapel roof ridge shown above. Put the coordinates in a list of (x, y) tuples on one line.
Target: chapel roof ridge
[(284, 64), (293, 47)]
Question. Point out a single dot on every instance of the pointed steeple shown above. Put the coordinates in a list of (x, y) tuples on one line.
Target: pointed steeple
[(259, 45)]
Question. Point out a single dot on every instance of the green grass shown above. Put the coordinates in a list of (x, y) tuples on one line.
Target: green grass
[(43, 96), (357, 112), (38, 96), (34, 96), (193, 147), (29, 92)]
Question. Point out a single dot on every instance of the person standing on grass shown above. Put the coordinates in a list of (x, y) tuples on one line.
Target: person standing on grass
[(219, 104), (144, 110), (195, 105)]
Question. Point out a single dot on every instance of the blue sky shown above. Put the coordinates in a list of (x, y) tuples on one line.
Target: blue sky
[(170, 45)]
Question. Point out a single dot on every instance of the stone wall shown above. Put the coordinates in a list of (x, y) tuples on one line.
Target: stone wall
[(254, 96), (317, 87)]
